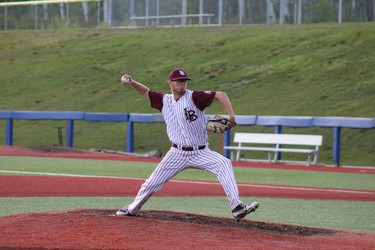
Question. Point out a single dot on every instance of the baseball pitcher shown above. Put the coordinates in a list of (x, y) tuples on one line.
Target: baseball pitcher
[(183, 112)]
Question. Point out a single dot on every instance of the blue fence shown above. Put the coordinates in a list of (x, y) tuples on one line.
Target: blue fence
[(278, 122)]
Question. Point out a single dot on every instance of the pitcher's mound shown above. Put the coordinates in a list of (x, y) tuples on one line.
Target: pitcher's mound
[(100, 229)]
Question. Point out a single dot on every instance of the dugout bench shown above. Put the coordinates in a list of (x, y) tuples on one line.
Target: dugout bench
[(272, 145)]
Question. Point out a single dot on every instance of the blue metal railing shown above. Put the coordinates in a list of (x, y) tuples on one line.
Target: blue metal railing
[(336, 123)]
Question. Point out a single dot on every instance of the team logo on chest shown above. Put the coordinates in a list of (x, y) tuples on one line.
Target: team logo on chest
[(190, 115)]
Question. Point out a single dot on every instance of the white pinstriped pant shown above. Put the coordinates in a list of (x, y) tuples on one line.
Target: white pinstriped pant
[(177, 160)]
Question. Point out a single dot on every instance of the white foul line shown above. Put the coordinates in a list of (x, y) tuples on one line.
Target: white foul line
[(197, 182)]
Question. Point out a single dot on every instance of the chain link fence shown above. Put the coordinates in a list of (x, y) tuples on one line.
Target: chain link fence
[(54, 14)]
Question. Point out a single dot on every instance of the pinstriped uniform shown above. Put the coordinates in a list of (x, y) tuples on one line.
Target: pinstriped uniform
[(186, 127), (186, 124)]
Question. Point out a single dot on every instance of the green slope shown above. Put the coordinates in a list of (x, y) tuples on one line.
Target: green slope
[(308, 70)]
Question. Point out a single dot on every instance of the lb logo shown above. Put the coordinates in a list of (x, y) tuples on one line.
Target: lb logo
[(190, 115)]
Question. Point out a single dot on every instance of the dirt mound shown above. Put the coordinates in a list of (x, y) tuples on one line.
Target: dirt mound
[(218, 222), (99, 229)]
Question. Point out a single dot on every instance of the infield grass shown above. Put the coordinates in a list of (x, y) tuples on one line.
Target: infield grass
[(340, 215), (143, 170)]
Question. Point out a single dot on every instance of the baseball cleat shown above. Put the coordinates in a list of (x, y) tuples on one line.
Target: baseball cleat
[(244, 209), (124, 212)]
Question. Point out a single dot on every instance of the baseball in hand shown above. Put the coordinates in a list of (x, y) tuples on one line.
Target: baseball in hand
[(126, 79)]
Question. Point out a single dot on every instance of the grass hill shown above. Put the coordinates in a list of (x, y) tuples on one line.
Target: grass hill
[(307, 70)]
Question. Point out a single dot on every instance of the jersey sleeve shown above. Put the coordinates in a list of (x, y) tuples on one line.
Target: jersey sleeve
[(203, 99), (156, 99)]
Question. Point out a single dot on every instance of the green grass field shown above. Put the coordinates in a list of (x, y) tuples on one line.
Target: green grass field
[(343, 215), (307, 70)]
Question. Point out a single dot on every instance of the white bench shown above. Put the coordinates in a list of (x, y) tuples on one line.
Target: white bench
[(171, 17), (310, 144)]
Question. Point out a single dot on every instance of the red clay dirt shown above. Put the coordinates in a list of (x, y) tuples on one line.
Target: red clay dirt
[(99, 229)]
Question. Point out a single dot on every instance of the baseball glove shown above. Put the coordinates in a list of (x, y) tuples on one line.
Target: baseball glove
[(219, 124)]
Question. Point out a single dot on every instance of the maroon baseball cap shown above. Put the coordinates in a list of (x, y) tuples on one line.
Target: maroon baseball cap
[(178, 74)]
